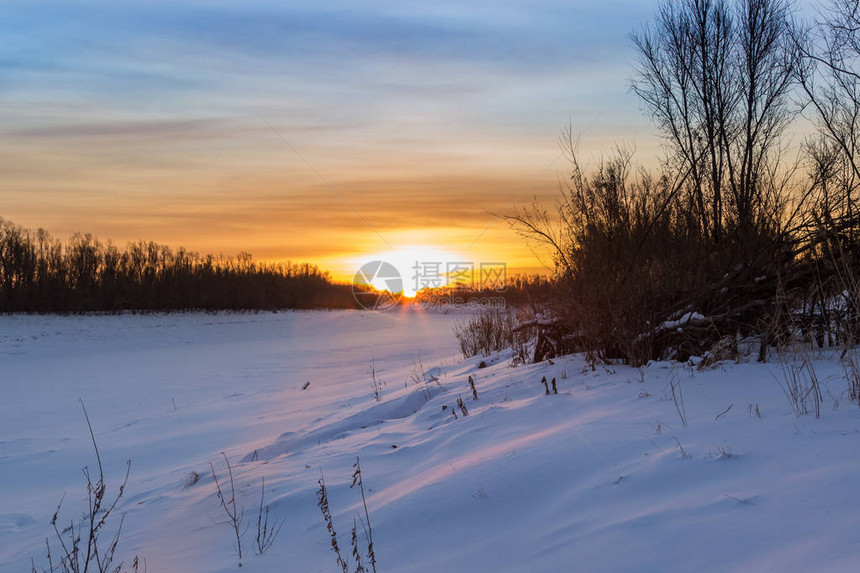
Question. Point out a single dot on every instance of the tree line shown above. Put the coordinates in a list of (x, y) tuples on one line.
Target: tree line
[(39, 273)]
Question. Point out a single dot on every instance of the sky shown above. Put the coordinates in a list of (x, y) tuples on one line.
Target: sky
[(318, 132)]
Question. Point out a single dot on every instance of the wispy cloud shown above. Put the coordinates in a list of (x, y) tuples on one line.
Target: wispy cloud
[(139, 119), (113, 130)]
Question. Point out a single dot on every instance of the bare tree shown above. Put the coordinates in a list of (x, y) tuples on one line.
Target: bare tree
[(717, 78), (828, 77)]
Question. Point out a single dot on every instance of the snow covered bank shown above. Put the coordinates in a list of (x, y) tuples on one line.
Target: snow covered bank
[(601, 477)]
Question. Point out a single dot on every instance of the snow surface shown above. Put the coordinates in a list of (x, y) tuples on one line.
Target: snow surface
[(591, 479)]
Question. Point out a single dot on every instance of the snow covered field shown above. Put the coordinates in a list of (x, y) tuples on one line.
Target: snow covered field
[(591, 479)]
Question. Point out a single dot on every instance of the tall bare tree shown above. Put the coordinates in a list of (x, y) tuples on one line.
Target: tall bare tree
[(717, 78), (830, 79)]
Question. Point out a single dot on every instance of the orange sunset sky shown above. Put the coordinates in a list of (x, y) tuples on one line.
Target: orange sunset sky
[(152, 121)]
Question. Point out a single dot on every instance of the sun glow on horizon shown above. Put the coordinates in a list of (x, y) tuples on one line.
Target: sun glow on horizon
[(417, 265)]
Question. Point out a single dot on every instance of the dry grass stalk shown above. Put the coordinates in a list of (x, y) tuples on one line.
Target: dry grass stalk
[(322, 503), (82, 547), (266, 533), (235, 515)]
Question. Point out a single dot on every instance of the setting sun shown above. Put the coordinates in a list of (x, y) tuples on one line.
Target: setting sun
[(419, 266)]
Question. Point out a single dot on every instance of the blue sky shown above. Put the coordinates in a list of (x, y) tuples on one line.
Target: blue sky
[(142, 119)]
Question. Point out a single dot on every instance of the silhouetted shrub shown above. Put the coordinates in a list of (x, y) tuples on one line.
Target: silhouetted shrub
[(486, 332)]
